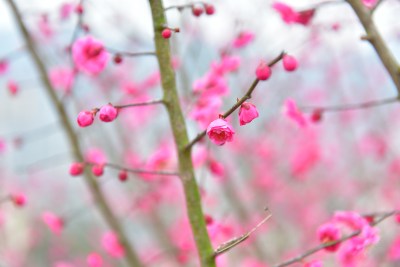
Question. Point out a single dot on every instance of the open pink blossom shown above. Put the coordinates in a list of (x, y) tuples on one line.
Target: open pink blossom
[(294, 114), (247, 113), (54, 222), (289, 15), (108, 113), (220, 132), (329, 232), (112, 245), (89, 55)]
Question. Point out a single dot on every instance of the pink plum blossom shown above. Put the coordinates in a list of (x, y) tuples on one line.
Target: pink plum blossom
[(112, 245), (108, 113), (247, 113), (220, 132), (54, 222), (89, 55), (62, 78)]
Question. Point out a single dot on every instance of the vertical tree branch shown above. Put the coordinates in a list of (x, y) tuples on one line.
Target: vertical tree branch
[(99, 199), (376, 40), (177, 121)]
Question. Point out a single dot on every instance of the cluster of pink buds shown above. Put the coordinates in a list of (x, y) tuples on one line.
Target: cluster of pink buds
[(263, 71), (198, 10), (107, 113), (167, 32), (77, 168)]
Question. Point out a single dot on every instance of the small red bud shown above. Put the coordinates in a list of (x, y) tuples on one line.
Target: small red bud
[(316, 116), (123, 176), (76, 168), (166, 33), (197, 11), (210, 10), (98, 170), (18, 200), (117, 59), (79, 9)]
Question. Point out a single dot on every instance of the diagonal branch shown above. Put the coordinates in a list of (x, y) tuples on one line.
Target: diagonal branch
[(320, 247), (374, 37), (238, 103)]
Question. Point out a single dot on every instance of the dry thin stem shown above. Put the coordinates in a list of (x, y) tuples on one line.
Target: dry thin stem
[(320, 247), (374, 37), (149, 103), (99, 199), (238, 240), (130, 54), (181, 7), (137, 171), (246, 96), (364, 105)]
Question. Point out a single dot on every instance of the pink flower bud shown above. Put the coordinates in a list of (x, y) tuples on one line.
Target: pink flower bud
[(108, 113), (18, 199), (166, 33), (123, 176), (263, 71), (76, 168), (12, 87), (210, 10), (85, 118), (247, 113), (219, 132), (289, 63), (197, 11), (98, 170)]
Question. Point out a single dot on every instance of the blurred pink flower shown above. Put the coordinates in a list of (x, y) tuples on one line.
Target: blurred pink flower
[(54, 222), (112, 245), (62, 78), (94, 260), (294, 114), (89, 55), (247, 113), (243, 39)]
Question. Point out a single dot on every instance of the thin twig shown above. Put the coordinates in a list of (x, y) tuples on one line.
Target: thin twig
[(328, 244), (153, 102), (130, 54), (364, 105), (238, 103), (181, 7), (237, 240), (137, 171)]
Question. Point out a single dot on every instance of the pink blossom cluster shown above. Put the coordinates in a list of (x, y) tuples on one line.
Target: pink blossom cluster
[(353, 249), (210, 88)]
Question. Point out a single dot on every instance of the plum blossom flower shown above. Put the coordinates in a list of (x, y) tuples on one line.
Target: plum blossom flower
[(289, 15), (85, 118), (94, 260), (294, 114), (54, 222), (243, 39), (89, 55), (220, 132), (108, 113), (247, 113), (329, 232), (112, 245)]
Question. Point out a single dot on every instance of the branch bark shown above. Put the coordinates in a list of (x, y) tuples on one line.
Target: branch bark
[(130, 256), (179, 130), (374, 37)]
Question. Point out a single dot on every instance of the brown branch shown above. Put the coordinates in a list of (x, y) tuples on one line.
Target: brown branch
[(314, 250), (364, 105), (246, 96), (99, 199), (374, 37)]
